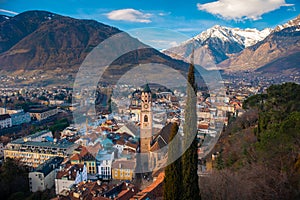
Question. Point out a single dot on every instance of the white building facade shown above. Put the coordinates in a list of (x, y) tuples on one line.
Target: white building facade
[(43, 177), (5, 121), (104, 162), (69, 176)]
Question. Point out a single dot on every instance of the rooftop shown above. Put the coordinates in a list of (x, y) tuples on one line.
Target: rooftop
[(70, 171), (49, 165), (62, 145), (4, 117), (124, 164), (104, 155), (38, 134), (40, 109)]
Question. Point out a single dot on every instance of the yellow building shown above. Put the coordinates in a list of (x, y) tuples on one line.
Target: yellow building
[(82, 156), (123, 169), (90, 164), (32, 151)]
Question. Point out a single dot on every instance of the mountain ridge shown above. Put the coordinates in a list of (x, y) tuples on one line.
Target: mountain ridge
[(234, 49), (54, 41), (55, 46), (218, 42), (276, 46)]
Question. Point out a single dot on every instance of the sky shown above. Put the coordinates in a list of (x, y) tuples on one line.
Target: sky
[(188, 17)]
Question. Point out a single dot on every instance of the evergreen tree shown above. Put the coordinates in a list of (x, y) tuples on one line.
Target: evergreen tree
[(173, 172), (190, 158)]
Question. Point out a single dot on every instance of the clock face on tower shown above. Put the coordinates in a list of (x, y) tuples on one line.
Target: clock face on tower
[(146, 106)]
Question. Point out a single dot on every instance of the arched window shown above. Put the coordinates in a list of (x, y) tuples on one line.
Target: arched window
[(145, 118)]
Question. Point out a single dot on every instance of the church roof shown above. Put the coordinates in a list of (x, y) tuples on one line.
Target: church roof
[(165, 133), (162, 138), (130, 129)]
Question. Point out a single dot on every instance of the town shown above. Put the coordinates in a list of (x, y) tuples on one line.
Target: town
[(139, 100), (100, 157)]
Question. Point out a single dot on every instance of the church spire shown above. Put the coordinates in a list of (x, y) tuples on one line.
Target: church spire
[(147, 88)]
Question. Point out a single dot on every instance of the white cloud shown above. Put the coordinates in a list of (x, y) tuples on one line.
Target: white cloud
[(241, 9), (130, 15), (162, 44), (8, 12), (164, 13)]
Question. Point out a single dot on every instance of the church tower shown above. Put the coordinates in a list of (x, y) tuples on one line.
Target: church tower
[(146, 120)]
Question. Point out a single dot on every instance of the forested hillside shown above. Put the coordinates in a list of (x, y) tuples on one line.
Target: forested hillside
[(258, 155)]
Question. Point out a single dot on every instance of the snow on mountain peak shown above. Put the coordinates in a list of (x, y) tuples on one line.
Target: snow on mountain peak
[(246, 37), (293, 22)]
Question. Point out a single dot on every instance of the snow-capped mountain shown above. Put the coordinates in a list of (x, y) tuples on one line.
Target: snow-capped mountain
[(246, 37), (278, 52), (290, 23), (216, 44)]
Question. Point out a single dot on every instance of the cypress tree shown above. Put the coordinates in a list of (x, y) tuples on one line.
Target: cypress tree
[(173, 172), (191, 189)]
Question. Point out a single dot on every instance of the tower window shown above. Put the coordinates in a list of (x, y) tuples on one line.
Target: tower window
[(145, 118)]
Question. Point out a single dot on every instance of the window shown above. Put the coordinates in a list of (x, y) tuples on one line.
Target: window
[(145, 118)]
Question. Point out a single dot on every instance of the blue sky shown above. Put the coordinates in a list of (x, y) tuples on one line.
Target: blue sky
[(186, 17)]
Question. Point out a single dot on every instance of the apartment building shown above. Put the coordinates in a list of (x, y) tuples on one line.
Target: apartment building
[(43, 176), (41, 113), (123, 169), (35, 149)]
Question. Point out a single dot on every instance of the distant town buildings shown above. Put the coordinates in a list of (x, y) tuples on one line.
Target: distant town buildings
[(20, 118), (104, 147), (4, 110), (41, 113), (5, 121)]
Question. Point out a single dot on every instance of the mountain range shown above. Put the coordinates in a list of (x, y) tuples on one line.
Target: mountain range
[(276, 53), (218, 43), (54, 46), (40, 42), (233, 49)]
